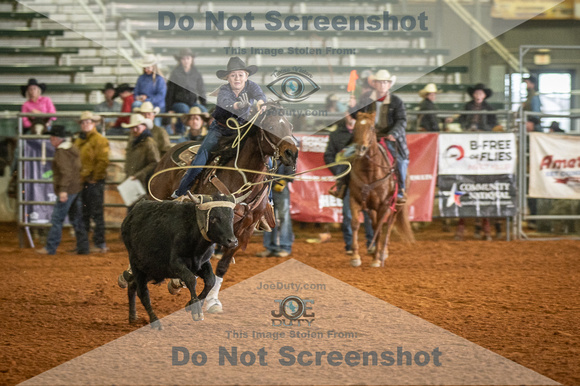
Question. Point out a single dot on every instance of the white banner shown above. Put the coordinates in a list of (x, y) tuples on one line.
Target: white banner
[(477, 154), (554, 166)]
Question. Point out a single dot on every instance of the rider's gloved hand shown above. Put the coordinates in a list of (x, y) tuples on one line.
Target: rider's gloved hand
[(244, 101)]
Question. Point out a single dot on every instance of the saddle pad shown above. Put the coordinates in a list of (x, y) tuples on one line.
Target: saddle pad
[(383, 144)]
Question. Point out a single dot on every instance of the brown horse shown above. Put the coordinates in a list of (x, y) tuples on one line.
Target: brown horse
[(373, 188), (271, 137)]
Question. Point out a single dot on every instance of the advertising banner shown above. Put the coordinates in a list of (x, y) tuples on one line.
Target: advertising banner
[(477, 175), (38, 170), (477, 154), (554, 166)]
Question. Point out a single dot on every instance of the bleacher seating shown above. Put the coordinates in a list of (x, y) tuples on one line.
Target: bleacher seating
[(28, 17)]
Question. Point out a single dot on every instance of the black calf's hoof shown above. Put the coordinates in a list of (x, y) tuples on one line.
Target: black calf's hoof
[(195, 309)]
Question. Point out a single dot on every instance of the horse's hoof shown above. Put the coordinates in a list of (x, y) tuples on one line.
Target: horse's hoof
[(213, 306), (355, 262), (156, 325), (197, 317), (375, 263)]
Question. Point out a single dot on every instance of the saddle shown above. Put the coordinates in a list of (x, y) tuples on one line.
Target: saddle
[(184, 154)]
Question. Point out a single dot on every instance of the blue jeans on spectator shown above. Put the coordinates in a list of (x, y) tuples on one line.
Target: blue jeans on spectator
[(72, 207), (209, 144), (180, 108), (402, 165), (281, 237), (93, 198), (347, 227)]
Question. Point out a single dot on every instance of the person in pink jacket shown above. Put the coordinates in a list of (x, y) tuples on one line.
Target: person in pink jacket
[(36, 103)]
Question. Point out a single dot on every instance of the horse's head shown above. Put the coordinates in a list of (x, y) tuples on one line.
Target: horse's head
[(276, 135), (364, 135)]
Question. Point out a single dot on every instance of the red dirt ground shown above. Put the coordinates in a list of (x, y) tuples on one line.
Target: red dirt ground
[(518, 299)]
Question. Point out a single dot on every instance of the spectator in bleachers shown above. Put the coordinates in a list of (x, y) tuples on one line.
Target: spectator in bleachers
[(333, 105), (150, 85), (337, 141), (159, 134), (390, 122), (94, 150), (126, 93), (66, 168), (428, 122), (142, 154), (109, 105), (555, 127), (185, 88), (478, 122), (36, 103), (195, 124), (234, 101)]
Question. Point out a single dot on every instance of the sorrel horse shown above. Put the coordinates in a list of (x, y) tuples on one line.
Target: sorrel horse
[(373, 187), (269, 138)]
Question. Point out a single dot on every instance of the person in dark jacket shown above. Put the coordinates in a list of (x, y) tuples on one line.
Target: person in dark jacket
[(142, 152), (185, 88), (390, 122), (66, 169), (478, 122), (338, 140), (428, 122), (234, 101)]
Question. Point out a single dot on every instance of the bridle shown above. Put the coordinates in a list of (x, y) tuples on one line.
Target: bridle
[(264, 136)]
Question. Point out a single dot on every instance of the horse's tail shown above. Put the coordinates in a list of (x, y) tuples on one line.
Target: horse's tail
[(403, 224)]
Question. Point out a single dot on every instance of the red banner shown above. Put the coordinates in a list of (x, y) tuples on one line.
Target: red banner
[(422, 175), (312, 203)]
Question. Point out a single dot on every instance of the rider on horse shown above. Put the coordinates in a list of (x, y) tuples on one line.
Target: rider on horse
[(390, 122), (234, 101)]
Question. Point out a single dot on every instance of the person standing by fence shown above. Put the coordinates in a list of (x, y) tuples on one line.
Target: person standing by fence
[(94, 152)]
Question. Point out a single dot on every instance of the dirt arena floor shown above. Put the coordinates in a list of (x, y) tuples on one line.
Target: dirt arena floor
[(518, 299)]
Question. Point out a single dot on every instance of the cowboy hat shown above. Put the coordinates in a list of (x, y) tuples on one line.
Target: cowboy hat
[(196, 110), (122, 88), (136, 120), (428, 89), (32, 82), (148, 60), (147, 107), (235, 64), (89, 115), (479, 86), (384, 75), (183, 53), (59, 131)]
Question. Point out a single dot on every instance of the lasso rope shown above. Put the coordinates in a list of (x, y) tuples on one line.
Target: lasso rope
[(249, 185)]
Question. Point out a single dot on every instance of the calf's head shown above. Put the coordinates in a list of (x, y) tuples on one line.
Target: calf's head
[(215, 218)]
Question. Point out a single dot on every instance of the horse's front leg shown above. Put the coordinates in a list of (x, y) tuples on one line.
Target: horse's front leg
[(355, 209), (382, 252)]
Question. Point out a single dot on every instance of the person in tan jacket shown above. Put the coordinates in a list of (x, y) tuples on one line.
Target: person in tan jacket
[(94, 151), (142, 153), (159, 134), (66, 167)]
